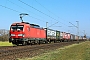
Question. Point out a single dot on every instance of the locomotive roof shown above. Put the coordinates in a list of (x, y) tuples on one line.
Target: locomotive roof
[(34, 25), (31, 24), (26, 23)]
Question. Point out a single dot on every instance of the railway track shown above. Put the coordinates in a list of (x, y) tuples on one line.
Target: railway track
[(12, 53)]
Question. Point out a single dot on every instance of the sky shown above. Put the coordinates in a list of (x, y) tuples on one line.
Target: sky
[(60, 14)]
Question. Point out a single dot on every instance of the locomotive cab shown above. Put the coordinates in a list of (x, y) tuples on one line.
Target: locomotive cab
[(16, 30), (17, 33)]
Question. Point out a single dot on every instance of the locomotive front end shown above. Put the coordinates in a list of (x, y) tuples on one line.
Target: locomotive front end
[(16, 33)]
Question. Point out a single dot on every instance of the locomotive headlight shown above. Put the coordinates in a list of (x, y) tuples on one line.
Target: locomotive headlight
[(12, 34), (21, 35)]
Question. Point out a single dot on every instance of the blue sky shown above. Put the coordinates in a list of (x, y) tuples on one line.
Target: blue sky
[(51, 11)]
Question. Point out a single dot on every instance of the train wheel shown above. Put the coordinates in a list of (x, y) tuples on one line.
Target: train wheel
[(60, 40), (23, 43), (39, 42), (54, 41), (17, 44), (46, 42)]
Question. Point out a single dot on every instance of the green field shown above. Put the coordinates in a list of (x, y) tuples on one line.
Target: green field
[(6, 43), (79, 51)]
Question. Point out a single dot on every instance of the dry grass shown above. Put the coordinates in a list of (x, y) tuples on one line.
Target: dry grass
[(73, 52)]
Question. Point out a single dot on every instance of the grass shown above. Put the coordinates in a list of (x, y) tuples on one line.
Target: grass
[(6, 43), (79, 51)]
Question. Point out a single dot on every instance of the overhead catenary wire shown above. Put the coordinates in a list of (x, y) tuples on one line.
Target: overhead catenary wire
[(42, 6), (53, 24), (49, 10), (28, 11), (39, 11), (19, 12), (52, 13), (36, 9), (46, 8), (10, 9)]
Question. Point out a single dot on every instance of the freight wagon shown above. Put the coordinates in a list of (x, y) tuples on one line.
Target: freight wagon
[(61, 36), (50, 35), (64, 36), (72, 37), (76, 37), (58, 35), (80, 38), (68, 36)]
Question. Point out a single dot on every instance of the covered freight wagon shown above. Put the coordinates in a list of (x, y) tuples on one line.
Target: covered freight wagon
[(57, 35), (64, 36), (50, 34), (68, 36), (72, 37), (80, 38), (61, 35), (76, 37)]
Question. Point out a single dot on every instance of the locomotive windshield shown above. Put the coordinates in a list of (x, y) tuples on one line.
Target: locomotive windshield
[(17, 27)]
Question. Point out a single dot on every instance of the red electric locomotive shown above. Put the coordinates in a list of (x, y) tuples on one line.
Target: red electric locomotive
[(25, 33)]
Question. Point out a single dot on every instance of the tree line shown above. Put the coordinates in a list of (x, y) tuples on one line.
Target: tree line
[(4, 35)]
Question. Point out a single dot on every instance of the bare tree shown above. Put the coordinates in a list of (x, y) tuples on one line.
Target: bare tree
[(4, 35)]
